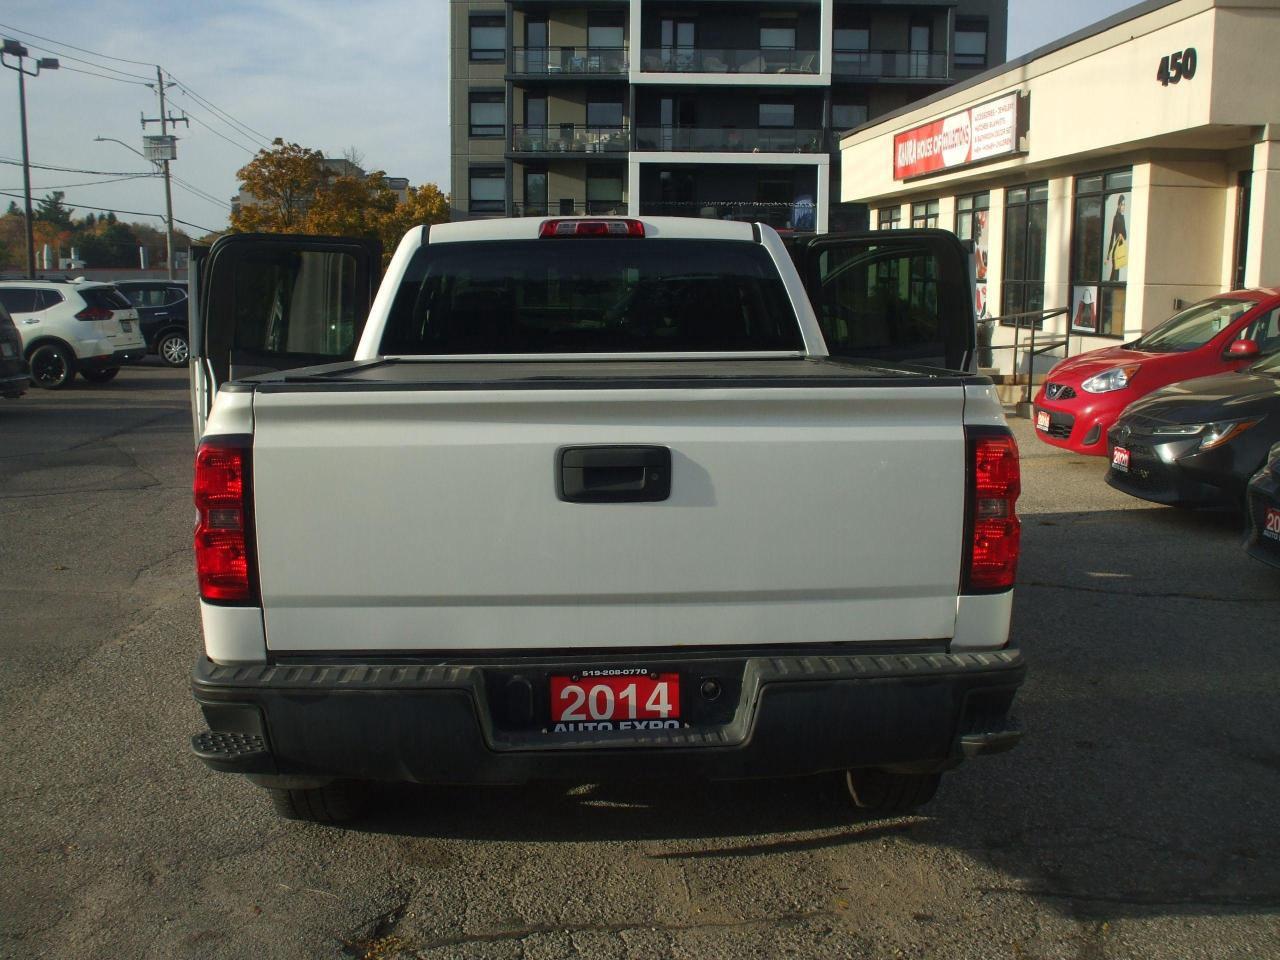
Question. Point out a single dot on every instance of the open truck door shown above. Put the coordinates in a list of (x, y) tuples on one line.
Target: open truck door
[(267, 302), (898, 296)]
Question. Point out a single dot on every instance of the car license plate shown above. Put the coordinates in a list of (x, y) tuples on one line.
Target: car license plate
[(7, 350), (1042, 420), (1120, 459), (126, 326), (622, 700), (1271, 524)]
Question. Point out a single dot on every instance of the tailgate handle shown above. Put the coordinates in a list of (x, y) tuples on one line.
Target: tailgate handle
[(613, 474)]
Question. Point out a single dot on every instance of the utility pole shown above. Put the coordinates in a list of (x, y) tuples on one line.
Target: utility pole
[(164, 121), (15, 49)]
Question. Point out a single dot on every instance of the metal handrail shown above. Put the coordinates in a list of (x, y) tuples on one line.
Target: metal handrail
[(1033, 319)]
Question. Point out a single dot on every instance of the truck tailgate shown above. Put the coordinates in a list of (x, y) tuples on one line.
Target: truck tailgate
[(421, 520)]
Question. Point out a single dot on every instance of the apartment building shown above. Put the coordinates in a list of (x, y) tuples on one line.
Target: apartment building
[(719, 108)]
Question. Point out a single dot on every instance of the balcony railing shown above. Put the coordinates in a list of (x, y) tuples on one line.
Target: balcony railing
[(705, 60), (569, 61), (800, 216), (595, 208), (732, 140), (569, 138), (907, 64)]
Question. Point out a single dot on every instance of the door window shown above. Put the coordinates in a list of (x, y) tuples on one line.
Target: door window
[(1026, 219), (20, 299), (296, 303), (904, 298), (1264, 331)]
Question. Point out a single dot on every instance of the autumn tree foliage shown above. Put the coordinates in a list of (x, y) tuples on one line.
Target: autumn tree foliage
[(294, 191)]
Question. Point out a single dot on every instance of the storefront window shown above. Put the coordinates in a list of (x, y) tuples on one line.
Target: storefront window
[(971, 224), (1100, 252), (1026, 217), (924, 215), (889, 218)]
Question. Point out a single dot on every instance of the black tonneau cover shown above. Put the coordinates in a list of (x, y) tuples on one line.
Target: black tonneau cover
[(450, 374)]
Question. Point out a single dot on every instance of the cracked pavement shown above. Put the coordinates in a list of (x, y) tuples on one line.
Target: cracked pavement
[(1136, 820)]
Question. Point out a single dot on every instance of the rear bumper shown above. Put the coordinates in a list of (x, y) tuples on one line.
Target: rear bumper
[(779, 714), (1264, 494)]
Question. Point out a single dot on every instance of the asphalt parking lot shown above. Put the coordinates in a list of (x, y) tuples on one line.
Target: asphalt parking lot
[(1138, 819)]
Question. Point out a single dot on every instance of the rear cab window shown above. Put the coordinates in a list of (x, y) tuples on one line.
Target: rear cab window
[(643, 295)]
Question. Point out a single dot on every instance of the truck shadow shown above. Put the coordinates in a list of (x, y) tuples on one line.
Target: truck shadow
[(1148, 782)]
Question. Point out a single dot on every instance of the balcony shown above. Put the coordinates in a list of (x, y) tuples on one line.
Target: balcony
[(889, 64), (561, 138), (798, 217), (731, 140), (768, 60), (568, 62), (594, 208)]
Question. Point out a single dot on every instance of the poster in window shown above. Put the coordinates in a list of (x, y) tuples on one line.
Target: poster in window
[(1115, 266), (980, 263), (1084, 308)]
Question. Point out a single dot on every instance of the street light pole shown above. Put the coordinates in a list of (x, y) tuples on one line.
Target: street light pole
[(13, 48)]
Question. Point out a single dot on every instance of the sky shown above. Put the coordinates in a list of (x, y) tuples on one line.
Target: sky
[(368, 74)]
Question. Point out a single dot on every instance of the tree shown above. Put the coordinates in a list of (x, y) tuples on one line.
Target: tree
[(292, 191), (425, 204), (283, 182), (52, 210)]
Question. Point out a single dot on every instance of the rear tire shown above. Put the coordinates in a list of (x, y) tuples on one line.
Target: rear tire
[(173, 349), (101, 375), (333, 803), (881, 793), (52, 366)]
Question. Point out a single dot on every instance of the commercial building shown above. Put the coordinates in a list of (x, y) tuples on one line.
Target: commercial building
[(689, 107), (1115, 175)]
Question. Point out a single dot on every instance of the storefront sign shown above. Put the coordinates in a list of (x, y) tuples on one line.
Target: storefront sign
[(983, 132)]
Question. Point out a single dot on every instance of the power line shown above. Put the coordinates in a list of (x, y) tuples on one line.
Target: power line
[(66, 56), (72, 46), (105, 76), (200, 194), (94, 173), (185, 88), (234, 143), (88, 183), (132, 213)]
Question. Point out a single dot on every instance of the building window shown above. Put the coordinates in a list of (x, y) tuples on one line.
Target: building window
[(605, 30), (604, 114), (889, 218), (487, 190), (971, 42), (488, 113), (488, 39), (777, 115), (1100, 251), (846, 116), (604, 194), (1026, 217), (971, 224), (777, 36), (924, 215)]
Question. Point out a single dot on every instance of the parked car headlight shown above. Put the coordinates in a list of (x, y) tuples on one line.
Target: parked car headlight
[(1211, 434), (1117, 378)]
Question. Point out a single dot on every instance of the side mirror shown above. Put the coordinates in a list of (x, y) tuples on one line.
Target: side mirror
[(1243, 349)]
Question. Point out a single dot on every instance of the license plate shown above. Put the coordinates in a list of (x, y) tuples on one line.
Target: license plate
[(7, 350), (620, 701), (1042, 420), (1271, 524), (1120, 459), (126, 326)]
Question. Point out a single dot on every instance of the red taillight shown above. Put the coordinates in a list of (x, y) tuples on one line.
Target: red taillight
[(995, 533), (224, 524), (591, 228), (94, 313)]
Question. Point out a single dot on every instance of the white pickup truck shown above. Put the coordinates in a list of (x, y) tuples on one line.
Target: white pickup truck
[(595, 497)]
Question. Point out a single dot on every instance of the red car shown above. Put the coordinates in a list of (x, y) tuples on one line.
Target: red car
[(1084, 395)]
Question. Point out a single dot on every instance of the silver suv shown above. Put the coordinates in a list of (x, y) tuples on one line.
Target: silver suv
[(73, 326)]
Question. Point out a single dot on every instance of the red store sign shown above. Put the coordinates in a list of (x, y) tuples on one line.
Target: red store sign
[(984, 132)]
